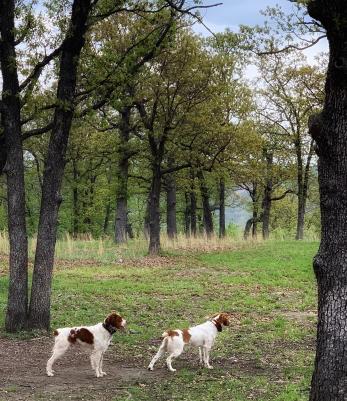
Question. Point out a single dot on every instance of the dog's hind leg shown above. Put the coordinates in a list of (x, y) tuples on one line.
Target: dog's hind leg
[(59, 349), (160, 352)]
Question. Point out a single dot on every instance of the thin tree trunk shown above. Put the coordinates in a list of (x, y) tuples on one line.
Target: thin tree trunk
[(75, 207), (154, 211), (267, 201), (193, 208), (247, 229), (221, 208), (301, 196), (121, 221), (107, 218), (16, 314), (255, 211), (39, 310), (170, 186), (187, 214), (330, 264), (146, 221), (207, 214)]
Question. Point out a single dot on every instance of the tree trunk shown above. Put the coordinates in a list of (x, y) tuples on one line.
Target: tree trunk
[(170, 186), (330, 264), (221, 208), (107, 218), (154, 211), (16, 314), (255, 218), (300, 221), (207, 214), (267, 201), (187, 215), (193, 208), (121, 221), (247, 229), (75, 207), (146, 222), (39, 311), (266, 212), (3, 151)]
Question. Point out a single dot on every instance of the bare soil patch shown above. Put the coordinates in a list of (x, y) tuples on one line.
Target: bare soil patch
[(23, 375)]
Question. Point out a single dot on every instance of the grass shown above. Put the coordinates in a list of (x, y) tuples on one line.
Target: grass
[(267, 355)]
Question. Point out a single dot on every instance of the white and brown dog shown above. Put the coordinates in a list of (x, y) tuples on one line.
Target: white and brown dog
[(202, 336), (94, 339)]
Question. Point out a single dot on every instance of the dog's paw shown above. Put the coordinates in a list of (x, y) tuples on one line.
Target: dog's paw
[(209, 367), (103, 374), (50, 374), (172, 370), (150, 368)]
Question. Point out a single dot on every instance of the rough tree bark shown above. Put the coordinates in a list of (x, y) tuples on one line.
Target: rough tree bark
[(16, 315), (329, 129), (39, 309), (193, 207)]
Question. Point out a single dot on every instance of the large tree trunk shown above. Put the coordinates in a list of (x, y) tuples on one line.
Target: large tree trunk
[(16, 314), (205, 197), (221, 208), (330, 264), (3, 151), (121, 221), (170, 186), (39, 311)]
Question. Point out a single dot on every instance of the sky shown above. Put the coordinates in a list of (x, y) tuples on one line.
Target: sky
[(233, 13)]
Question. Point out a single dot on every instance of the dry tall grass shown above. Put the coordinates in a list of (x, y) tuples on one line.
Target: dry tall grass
[(104, 249)]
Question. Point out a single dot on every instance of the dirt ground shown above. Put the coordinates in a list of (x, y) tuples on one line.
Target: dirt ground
[(23, 375)]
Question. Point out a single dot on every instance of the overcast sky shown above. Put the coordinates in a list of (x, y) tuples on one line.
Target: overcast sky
[(233, 13)]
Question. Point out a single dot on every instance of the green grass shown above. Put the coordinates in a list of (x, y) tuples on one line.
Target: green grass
[(266, 355)]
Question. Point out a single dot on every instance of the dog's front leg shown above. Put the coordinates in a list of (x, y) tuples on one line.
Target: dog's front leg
[(101, 363), (95, 359), (207, 357)]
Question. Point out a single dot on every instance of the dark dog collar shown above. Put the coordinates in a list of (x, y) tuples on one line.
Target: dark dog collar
[(111, 329)]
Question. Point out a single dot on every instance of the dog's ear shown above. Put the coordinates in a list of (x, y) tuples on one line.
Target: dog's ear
[(218, 326)]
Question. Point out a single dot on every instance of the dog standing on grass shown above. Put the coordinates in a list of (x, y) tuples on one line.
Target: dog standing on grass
[(202, 336), (95, 339)]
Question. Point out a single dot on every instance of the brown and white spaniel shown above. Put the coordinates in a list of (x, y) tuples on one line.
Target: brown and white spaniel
[(202, 336), (94, 339)]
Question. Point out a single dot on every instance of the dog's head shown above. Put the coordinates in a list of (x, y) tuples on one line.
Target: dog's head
[(115, 320), (221, 319)]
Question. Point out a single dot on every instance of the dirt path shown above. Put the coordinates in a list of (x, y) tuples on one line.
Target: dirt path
[(23, 376)]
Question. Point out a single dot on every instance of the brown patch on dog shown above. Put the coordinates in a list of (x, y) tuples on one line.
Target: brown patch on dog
[(186, 336), (55, 332), (222, 320), (82, 334), (114, 320), (171, 333)]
